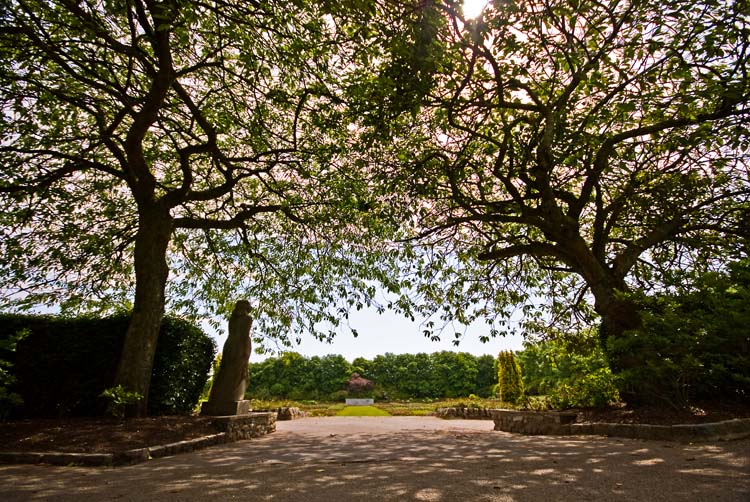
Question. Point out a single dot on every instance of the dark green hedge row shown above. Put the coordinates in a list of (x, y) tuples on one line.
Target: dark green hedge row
[(62, 365)]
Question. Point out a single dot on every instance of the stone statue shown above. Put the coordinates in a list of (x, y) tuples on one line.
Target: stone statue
[(230, 382)]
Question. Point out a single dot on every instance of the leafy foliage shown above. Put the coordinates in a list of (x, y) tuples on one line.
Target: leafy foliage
[(395, 376), (510, 381), (695, 341), (63, 365), (569, 372), (214, 371), (184, 354), (179, 153), (235, 103), (566, 151), (184, 153), (118, 399), (9, 399)]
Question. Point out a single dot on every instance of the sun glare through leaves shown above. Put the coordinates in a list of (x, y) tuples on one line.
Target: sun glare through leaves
[(473, 8)]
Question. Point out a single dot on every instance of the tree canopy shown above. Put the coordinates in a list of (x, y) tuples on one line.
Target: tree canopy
[(184, 152), (565, 151), (145, 137)]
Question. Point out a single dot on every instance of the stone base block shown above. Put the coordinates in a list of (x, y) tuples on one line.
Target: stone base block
[(360, 402), (218, 409), (249, 426), (289, 413)]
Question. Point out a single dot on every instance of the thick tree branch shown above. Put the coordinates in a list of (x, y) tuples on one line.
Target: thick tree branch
[(538, 250), (237, 221)]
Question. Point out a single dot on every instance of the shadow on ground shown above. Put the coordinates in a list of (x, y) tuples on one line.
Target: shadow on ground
[(331, 462)]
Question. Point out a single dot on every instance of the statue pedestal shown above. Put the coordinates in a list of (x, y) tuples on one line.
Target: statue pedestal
[(222, 409)]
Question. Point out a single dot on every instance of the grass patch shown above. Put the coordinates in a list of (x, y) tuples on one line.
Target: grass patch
[(416, 407), (362, 411)]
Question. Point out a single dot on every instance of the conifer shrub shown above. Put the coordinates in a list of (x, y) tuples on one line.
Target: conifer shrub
[(510, 383)]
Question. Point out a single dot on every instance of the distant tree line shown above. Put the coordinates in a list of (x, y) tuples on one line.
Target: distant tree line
[(395, 376)]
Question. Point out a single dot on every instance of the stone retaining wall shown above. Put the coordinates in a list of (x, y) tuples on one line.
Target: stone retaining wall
[(464, 413), (563, 424), (533, 422), (716, 431), (248, 426)]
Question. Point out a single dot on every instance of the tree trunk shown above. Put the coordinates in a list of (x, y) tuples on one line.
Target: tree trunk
[(618, 316), (151, 270)]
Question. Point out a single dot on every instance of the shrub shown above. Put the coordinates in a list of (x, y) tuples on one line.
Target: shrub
[(210, 381), (118, 399), (510, 384), (9, 400), (593, 390), (694, 343), (64, 364), (184, 355), (338, 397), (358, 386), (570, 371), (535, 403)]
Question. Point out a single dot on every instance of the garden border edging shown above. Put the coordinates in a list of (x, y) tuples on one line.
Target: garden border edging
[(563, 424), (235, 428)]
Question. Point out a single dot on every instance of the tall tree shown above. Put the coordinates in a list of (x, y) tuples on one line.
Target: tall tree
[(143, 136), (573, 150)]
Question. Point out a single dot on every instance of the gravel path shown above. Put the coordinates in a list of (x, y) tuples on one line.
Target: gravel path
[(406, 458)]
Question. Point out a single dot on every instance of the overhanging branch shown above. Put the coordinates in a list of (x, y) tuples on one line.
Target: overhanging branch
[(538, 250)]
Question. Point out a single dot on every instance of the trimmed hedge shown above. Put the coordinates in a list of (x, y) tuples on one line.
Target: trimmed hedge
[(62, 365)]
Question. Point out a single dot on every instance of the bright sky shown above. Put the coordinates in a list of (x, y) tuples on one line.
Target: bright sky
[(473, 8), (389, 332)]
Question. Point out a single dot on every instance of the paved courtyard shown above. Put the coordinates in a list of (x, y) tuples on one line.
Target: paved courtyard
[(406, 458)]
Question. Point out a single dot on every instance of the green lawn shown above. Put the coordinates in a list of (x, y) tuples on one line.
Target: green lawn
[(396, 408), (362, 411)]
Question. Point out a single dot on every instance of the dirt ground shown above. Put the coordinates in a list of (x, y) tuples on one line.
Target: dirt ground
[(405, 458), (99, 435)]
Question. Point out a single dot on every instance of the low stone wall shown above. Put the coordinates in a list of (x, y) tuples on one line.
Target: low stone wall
[(289, 413), (533, 422), (563, 424), (142, 454), (464, 413), (716, 431), (284, 412), (248, 426)]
